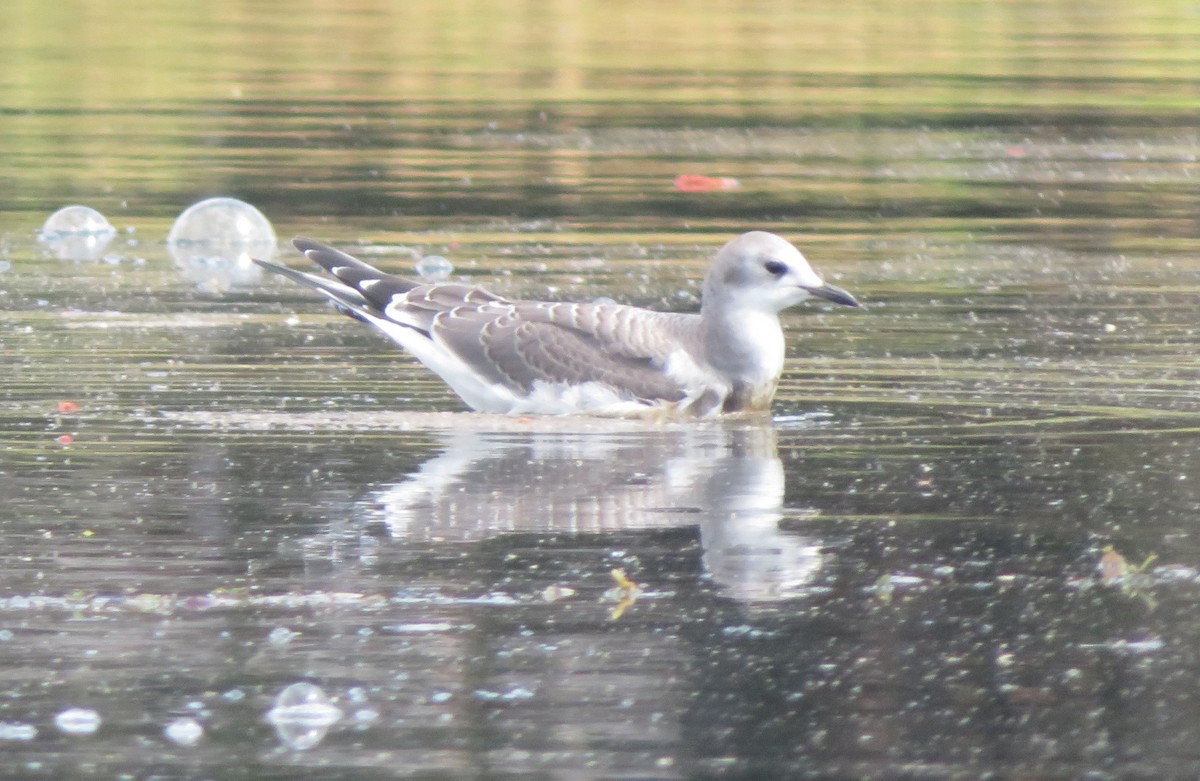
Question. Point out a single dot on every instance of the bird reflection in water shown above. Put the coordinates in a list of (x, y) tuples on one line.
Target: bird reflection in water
[(725, 478)]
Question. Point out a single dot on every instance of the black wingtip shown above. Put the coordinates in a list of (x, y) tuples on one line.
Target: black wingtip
[(304, 244), (269, 266)]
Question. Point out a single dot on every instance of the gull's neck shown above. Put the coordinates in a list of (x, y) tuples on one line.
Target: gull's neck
[(743, 343)]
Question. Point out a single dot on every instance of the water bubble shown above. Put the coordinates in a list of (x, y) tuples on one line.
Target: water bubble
[(366, 715), (184, 732), (281, 635), (77, 721), (213, 242), (305, 699), (73, 220), (302, 715), (77, 233), (11, 730), (5, 266), (513, 694), (434, 268)]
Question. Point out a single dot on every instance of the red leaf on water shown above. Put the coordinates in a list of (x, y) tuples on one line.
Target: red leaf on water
[(695, 183)]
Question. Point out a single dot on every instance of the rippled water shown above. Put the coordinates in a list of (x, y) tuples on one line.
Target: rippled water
[(245, 538)]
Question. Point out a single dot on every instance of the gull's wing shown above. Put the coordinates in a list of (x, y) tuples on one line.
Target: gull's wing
[(515, 344), (521, 343), (358, 288)]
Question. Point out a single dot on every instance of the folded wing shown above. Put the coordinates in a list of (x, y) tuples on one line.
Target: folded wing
[(514, 344), (519, 344)]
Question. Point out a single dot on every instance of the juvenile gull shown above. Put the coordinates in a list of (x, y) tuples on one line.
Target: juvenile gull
[(537, 357)]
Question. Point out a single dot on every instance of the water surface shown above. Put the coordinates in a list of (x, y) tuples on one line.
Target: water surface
[(960, 546)]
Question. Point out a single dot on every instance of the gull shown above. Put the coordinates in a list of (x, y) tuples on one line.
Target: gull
[(549, 358)]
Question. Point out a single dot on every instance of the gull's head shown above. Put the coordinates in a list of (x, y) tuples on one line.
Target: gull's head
[(762, 272)]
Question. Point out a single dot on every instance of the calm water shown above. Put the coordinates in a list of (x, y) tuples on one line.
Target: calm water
[(962, 547)]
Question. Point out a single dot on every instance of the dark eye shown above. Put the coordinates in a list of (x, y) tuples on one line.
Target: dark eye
[(775, 268)]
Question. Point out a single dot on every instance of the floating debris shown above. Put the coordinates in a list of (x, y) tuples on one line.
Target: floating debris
[(623, 581), (1134, 580), (220, 599), (1114, 567), (695, 183), (884, 588), (626, 593), (747, 631), (421, 627)]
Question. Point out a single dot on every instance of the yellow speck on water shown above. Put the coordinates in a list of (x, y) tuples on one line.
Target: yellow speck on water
[(626, 593), (623, 581)]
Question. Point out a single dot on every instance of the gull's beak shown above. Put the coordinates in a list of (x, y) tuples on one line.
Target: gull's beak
[(833, 293)]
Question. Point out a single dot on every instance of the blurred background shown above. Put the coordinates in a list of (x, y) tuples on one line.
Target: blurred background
[(398, 116)]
